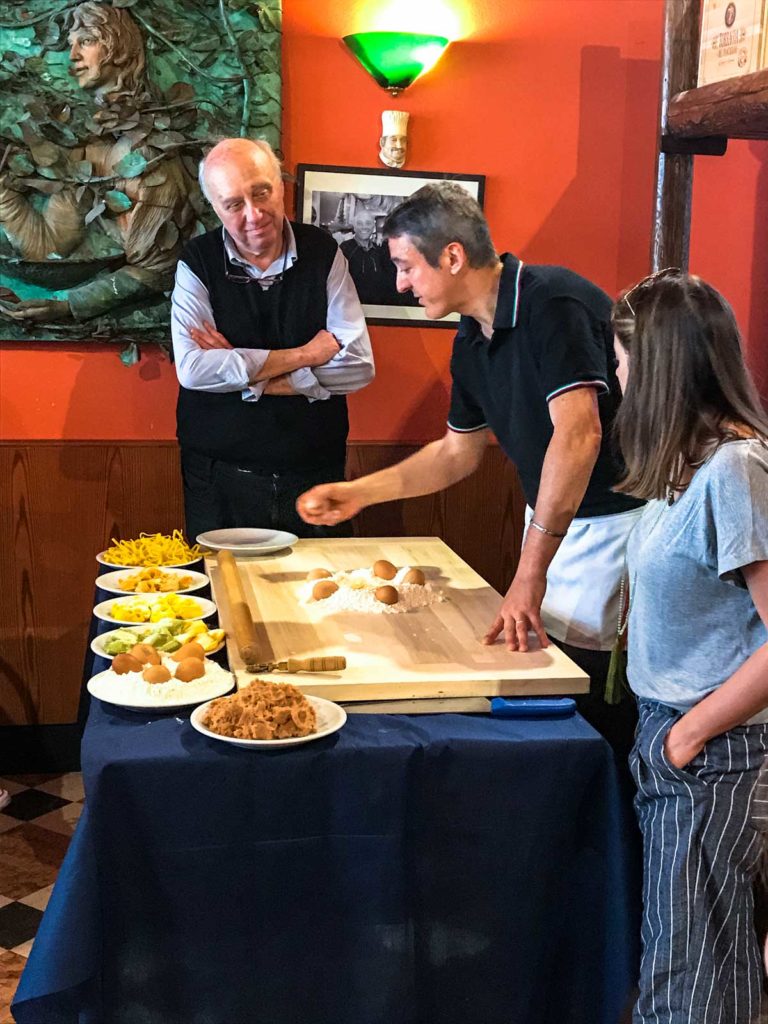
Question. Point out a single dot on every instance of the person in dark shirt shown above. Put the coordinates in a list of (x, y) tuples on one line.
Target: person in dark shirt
[(532, 364), (370, 267)]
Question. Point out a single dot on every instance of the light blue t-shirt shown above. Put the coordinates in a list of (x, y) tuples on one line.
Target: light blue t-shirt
[(692, 621)]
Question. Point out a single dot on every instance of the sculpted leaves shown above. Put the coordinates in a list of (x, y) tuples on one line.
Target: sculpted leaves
[(59, 133), (117, 202), (131, 166), (212, 69), (45, 154), (184, 119), (95, 211), (168, 235), (269, 16), (21, 164), (130, 354), (49, 188), (179, 92), (154, 178)]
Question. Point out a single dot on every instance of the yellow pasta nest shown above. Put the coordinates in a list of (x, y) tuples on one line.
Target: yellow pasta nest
[(154, 581), (152, 549)]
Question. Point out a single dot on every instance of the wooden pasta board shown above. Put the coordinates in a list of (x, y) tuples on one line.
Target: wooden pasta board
[(433, 652)]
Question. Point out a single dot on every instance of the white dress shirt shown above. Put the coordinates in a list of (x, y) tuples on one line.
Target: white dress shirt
[(224, 369)]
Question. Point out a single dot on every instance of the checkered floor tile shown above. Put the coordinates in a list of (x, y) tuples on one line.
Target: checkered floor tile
[(35, 828)]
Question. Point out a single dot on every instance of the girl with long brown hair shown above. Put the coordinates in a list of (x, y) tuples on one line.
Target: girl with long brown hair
[(693, 437)]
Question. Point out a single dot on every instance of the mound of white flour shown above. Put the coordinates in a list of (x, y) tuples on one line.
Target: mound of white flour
[(357, 589)]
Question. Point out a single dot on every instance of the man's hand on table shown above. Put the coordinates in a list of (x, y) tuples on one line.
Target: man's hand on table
[(520, 612), (329, 504)]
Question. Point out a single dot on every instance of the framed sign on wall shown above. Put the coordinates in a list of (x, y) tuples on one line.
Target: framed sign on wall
[(352, 203)]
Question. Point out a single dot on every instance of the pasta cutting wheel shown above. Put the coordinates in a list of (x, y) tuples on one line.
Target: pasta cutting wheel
[(328, 663)]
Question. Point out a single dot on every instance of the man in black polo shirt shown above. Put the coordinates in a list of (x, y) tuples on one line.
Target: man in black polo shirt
[(533, 363)]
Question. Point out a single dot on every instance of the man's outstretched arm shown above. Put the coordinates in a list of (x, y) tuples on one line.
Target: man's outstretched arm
[(433, 468)]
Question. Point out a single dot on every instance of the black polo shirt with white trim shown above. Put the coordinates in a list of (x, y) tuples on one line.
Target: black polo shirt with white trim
[(551, 334)]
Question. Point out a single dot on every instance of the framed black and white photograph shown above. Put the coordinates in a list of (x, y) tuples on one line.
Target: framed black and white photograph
[(352, 203)]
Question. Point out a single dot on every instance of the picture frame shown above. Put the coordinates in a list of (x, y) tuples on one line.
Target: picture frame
[(351, 203)]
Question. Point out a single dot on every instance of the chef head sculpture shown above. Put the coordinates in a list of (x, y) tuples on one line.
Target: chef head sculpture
[(394, 137)]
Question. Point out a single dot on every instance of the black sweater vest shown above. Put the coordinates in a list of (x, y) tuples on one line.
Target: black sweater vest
[(278, 433)]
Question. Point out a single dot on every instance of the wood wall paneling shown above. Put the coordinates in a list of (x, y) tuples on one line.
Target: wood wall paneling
[(62, 502)]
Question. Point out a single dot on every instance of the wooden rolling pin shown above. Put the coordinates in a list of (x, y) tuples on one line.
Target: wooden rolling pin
[(240, 614), (245, 631)]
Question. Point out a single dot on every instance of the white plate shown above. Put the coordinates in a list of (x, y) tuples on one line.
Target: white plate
[(330, 718), (101, 611), (246, 541), (97, 644), (111, 692), (113, 565), (109, 581)]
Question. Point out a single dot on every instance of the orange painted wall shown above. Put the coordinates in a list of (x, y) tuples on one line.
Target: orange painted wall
[(554, 100), (729, 240)]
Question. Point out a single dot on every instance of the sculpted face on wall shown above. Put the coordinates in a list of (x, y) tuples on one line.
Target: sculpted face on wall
[(99, 193), (106, 50), (394, 138)]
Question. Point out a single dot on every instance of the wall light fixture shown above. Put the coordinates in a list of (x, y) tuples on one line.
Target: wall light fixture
[(396, 59)]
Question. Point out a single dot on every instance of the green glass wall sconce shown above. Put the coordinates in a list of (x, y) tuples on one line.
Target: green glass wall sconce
[(396, 59)]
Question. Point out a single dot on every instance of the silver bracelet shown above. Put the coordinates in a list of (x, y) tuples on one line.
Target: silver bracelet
[(543, 529)]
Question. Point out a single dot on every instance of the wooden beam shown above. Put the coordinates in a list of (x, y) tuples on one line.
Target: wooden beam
[(737, 107), (674, 172)]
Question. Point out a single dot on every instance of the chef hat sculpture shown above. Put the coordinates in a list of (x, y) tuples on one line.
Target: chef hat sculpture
[(394, 137)]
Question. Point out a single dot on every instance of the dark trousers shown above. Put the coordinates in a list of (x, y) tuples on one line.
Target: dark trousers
[(616, 722), (218, 495)]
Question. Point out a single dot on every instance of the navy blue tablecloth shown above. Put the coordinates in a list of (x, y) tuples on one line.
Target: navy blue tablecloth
[(446, 869)]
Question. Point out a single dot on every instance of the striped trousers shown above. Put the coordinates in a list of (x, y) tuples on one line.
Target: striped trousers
[(700, 961)]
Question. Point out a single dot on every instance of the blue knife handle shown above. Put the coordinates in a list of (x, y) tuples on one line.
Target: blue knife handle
[(532, 707)]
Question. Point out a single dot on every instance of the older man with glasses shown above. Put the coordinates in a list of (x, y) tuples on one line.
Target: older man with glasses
[(269, 337)]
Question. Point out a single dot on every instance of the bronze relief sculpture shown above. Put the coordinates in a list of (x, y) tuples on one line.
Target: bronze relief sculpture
[(98, 187)]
